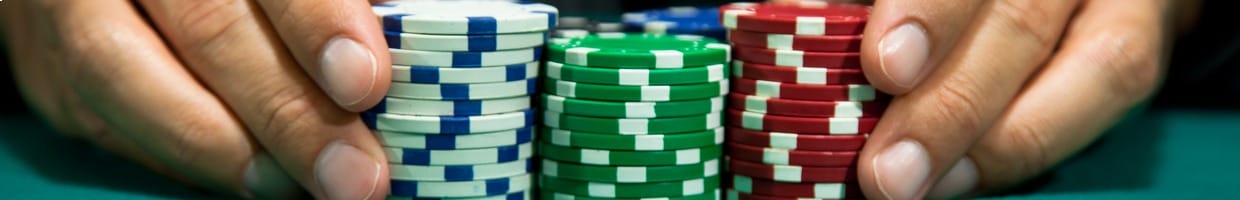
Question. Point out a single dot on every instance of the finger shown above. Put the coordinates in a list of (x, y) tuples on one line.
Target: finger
[(339, 44), (34, 68), (134, 90), (1111, 59), (927, 130), (907, 40), (233, 50)]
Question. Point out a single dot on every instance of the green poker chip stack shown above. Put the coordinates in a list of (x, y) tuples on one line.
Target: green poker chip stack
[(639, 113)]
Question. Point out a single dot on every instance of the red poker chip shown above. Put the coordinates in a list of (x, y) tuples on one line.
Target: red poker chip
[(791, 157), (802, 125), (794, 58), (801, 108), (853, 92), (793, 141), (782, 190), (822, 43), (798, 75), (792, 173), (799, 19)]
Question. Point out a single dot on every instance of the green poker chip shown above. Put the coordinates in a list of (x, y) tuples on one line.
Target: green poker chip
[(610, 76), (628, 158), (638, 50), (595, 108), (630, 174), (632, 126), (631, 190), (553, 194), (649, 93), (633, 142)]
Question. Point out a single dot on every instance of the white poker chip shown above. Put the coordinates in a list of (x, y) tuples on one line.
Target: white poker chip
[(474, 91), (449, 124), (519, 195), (459, 172), (464, 58), (433, 74), (479, 42), (478, 188), (459, 156), (465, 17), (397, 105), (461, 141)]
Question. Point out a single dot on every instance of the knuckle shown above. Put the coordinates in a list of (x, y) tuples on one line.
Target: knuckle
[(289, 113), (207, 20), (1030, 140), (1136, 70), (1028, 20), (960, 104)]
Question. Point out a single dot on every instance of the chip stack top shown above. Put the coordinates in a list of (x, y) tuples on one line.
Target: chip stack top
[(632, 115), (800, 107), (457, 120)]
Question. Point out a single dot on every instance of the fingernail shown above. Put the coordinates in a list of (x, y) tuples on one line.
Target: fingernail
[(901, 169), (903, 53), (345, 172), (265, 179), (960, 179), (348, 71)]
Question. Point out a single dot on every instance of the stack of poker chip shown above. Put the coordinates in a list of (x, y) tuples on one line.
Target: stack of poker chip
[(633, 116), (800, 107), (457, 121), (676, 20)]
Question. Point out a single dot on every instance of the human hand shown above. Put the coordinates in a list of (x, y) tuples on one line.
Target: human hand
[(220, 94), (990, 93)]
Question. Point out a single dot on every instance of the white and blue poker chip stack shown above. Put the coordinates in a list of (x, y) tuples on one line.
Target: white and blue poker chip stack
[(457, 120), (702, 21)]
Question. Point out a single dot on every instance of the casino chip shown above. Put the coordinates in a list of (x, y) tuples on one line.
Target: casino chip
[(650, 51), (797, 75), (809, 18), (465, 17), (425, 74), (550, 193), (581, 74), (801, 107), (702, 21), (631, 190), (457, 122), (775, 156), (616, 109)]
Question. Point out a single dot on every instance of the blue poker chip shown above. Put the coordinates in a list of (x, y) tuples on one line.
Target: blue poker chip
[(461, 141), (480, 188), (479, 42), (459, 172), (465, 17), (464, 58), (448, 124), (519, 195), (459, 156), (677, 20), (432, 74), (470, 91)]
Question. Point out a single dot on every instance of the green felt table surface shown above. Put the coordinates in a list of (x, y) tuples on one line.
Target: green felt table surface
[(1158, 154)]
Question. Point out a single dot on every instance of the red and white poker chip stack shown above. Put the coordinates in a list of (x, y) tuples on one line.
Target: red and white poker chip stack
[(800, 107)]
